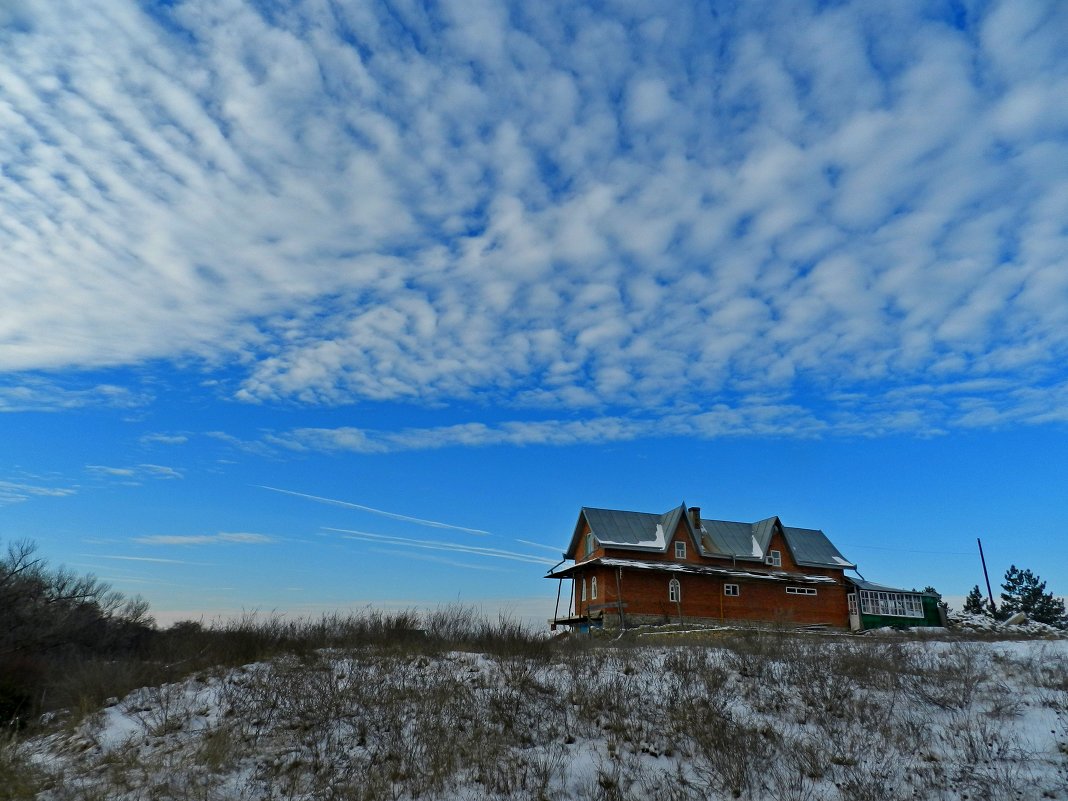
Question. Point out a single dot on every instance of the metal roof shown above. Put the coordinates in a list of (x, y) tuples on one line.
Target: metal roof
[(646, 531), (810, 547), (614, 527), (873, 587)]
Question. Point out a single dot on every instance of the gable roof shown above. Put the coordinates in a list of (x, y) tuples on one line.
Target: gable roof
[(650, 532), (641, 531), (810, 547)]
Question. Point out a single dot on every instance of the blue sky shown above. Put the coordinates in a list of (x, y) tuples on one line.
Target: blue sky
[(466, 268)]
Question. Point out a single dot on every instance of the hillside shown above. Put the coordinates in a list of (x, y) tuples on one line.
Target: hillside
[(763, 715)]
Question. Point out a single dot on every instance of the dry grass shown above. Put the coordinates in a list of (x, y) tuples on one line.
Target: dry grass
[(452, 706)]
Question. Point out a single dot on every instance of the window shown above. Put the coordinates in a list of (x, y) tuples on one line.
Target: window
[(589, 543), (892, 604), (584, 589), (731, 589), (674, 591), (800, 590), (680, 549), (774, 558), (593, 588), (851, 600)]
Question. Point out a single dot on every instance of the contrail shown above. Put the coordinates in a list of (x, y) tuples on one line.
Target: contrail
[(436, 545), (394, 515)]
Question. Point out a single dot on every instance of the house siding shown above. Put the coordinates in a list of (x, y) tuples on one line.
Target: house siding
[(644, 594)]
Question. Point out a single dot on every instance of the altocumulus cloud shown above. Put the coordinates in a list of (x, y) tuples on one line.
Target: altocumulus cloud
[(786, 215)]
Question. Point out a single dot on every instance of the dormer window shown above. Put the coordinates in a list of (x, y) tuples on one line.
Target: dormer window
[(589, 543), (774, 558), (680, 549)]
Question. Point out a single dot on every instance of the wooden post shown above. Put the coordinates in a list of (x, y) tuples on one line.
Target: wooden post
[(556, 611), (989, 592), (619, 600)]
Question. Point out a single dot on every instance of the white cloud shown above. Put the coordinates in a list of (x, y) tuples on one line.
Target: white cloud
[(164, 439), (392, 515), (135, 474), (12, 492), (540, 207), (223, 537), (438, 545)]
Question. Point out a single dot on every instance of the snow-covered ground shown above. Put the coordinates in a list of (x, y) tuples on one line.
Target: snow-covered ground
[(760, 715)]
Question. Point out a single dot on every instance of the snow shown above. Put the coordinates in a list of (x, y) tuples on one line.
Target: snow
[(579, 720), (759, 554)]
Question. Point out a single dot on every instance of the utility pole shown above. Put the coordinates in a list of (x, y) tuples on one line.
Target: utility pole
[(989, 592)]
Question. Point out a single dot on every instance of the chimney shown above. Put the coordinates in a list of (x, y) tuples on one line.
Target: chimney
[(695, 518)]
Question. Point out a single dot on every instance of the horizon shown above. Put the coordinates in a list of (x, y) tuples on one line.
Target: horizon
[(314, 307)]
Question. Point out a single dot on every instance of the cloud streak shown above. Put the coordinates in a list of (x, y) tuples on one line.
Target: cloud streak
[(435, 545), (392, 515), (223, 537)]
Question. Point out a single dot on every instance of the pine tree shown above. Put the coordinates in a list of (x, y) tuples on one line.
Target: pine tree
[(1023, 591), (975, 603)]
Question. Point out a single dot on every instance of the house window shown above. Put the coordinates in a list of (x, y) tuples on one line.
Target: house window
[(800, 590), (851, 600), (731, 589), (589, 543), (680, 549), (891, 604), (584, 589), (674, 591), (593, 588), (774, 558)]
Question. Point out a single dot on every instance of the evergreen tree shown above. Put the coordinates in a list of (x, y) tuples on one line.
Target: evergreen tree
[(975, 603), (1024, 592)]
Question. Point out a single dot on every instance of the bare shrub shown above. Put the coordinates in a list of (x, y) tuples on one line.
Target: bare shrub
[(20, 779), (951, 678)]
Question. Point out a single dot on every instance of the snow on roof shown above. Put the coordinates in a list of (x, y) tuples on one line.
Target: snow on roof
[(684, 567)]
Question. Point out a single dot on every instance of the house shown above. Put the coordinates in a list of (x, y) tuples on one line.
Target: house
[(632, 568)]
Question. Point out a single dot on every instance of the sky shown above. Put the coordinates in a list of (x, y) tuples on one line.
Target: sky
[(338, 304)]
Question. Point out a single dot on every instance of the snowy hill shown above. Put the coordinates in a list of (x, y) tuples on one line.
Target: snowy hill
[(760, 715)]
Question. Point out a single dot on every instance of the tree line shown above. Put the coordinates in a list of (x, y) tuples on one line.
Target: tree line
[(1021, 591)]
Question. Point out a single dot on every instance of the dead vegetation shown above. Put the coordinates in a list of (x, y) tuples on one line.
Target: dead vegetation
[(457, 707)]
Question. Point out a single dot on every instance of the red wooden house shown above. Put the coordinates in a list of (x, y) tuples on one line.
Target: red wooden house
[(632, 568)]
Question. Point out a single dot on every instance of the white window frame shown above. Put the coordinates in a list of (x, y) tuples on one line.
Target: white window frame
[(891, 604), (732, 590), (584, 589), (674, 591), (680, 549), (774, 558), (593, 588), (589, 543), (801, 591)]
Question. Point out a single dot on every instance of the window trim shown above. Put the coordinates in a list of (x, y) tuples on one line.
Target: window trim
[(892, 604), (801, 591), (774, 558), (680, 549), (674, 591), (593, 588), (732, 590)]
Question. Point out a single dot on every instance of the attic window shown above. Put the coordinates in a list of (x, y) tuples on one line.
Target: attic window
[(680, 549), (774, 558), (589, 543)]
